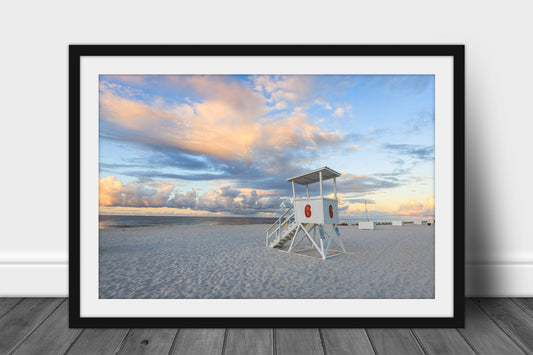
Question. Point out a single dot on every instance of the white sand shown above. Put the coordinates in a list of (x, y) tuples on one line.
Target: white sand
[(233, 262)]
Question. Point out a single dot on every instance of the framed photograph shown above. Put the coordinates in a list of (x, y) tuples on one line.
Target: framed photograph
[(266, 186)]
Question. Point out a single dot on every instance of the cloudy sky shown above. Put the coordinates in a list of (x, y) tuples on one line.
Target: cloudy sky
[(225, 145)]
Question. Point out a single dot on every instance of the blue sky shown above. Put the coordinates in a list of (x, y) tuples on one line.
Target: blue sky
[(225, 145)]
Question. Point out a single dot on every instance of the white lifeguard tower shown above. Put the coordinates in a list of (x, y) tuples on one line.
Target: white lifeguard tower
[(304, 222)]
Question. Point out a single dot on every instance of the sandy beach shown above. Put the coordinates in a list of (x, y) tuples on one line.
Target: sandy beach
[(231, 261)]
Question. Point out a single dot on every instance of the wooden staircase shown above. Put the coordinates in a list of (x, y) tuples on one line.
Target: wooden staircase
[(287, 234), (282, 230)]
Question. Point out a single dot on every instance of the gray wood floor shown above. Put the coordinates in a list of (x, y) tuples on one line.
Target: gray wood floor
[(40, 326)]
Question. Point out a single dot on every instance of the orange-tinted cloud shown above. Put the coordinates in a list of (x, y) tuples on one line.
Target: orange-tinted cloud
[(285, 87), (109, 191), (113, 193), (229, 124), (415, 208), (353, 147), (134, 194)]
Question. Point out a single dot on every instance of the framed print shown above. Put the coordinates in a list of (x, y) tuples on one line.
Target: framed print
[(266, 186)]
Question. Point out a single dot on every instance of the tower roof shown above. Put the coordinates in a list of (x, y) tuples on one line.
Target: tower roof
[(313, 176)]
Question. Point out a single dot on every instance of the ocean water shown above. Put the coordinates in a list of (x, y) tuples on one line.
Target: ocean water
[(110, 222), (114, 221)]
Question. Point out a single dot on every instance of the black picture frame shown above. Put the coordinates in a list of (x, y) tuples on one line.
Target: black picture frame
[(77, 52)]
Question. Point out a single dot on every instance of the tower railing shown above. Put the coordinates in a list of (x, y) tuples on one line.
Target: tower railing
[(276, 229)]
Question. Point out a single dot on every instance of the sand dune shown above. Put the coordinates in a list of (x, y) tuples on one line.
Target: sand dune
[(233, 262)]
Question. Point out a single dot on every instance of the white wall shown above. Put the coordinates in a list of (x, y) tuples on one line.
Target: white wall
[(34, 126)]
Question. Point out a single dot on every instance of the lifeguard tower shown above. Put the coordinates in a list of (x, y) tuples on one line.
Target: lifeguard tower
[(304, 222)]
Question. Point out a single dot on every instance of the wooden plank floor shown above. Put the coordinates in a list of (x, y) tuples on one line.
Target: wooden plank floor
[(40, 326)]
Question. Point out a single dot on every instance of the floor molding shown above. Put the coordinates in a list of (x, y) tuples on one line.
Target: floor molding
[(34, 279), (499, 280), (50, 279)]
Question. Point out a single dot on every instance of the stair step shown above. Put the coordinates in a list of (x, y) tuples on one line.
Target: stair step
[(285, 234)]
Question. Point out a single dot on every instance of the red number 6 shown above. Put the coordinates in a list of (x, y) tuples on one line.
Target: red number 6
[(307, 211)]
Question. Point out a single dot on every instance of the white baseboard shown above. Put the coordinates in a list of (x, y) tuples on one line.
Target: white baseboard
[(51, 280), (34, 280), (499, 280)]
